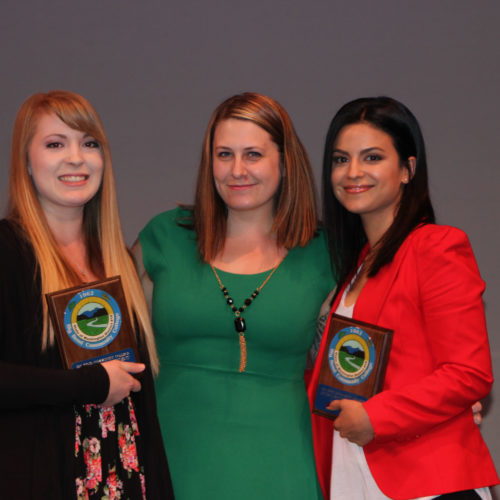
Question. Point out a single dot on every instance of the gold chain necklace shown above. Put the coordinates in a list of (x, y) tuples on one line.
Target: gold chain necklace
[(239, 322)]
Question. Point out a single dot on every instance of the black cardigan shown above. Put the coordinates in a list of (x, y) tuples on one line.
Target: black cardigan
[(37, 420)]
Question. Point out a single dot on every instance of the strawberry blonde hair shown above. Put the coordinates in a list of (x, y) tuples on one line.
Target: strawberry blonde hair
[(296, 214), (108, 254)]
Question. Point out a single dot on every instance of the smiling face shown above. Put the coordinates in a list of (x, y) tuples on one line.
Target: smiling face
[(367, 174), (66, 165), (246, 166)]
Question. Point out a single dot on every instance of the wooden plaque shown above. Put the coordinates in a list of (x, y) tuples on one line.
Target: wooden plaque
[(354, 362), (92, 324)]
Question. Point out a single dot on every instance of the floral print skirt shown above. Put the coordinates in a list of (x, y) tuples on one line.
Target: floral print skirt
[(107, 450)]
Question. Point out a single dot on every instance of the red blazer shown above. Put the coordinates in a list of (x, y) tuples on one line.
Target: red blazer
[(426, 442)]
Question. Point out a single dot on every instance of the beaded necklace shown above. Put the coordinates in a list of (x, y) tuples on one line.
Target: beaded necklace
[(239, 322)]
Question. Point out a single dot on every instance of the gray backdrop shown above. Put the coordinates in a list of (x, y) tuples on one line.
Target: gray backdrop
[(155, 70)]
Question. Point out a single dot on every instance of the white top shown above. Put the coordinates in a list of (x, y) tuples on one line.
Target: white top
[(351, 477)]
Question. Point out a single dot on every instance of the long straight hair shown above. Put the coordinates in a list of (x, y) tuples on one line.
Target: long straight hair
[(107, 252), (346, 236), (296, 211)]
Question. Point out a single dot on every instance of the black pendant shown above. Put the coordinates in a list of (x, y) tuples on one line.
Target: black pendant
[(239, 324)]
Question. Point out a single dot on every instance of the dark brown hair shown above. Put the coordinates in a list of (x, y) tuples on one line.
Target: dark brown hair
[(346, 236)]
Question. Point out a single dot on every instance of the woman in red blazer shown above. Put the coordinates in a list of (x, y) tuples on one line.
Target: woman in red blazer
[(397, 269)]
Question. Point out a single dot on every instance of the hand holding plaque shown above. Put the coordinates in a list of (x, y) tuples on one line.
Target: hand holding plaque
[(353, 364), (92, 324)]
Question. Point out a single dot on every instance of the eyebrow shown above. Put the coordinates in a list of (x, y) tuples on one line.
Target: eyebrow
[(244, 149), (363, 151), (64, 136)]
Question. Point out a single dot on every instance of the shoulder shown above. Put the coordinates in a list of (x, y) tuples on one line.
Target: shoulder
[(170, 220), (8, 231), (436, 249), (13, 244), (318, 244), (315, 252), (428, 235), (167, 236), (431, 241), (313, 260)]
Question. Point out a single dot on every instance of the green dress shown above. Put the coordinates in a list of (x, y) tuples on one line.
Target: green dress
[(231, 435)]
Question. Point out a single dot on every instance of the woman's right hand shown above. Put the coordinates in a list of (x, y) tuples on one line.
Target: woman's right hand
[(477, 407), (121, 382)]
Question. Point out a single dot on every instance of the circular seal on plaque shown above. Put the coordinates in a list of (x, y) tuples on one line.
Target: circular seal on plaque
[(351, 355), (92, 318)]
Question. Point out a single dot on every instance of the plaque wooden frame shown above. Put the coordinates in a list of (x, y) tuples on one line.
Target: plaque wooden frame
[(74, 313), (351, 343)]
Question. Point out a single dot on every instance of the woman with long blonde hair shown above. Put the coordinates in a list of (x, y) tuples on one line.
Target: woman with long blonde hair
[(69, 433)]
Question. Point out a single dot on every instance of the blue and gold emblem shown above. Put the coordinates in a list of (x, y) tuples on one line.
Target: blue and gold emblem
[(351, 356), (92, 319)]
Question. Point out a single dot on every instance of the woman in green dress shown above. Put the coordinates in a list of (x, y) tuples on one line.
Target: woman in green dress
[(235, 282)]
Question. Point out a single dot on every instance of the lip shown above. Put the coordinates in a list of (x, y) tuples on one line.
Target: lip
[(357, 188), (240, 187), (74, 179)]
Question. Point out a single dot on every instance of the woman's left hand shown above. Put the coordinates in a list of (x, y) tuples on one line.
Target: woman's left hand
[(353, 422)]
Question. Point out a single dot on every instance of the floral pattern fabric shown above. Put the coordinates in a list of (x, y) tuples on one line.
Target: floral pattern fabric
[(107, 449)]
